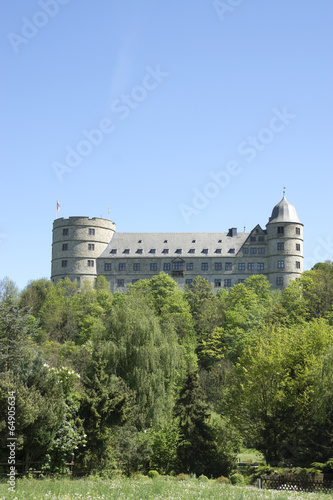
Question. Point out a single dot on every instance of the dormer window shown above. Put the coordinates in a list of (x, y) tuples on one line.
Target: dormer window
[(218, 250), (179, 250), (165, 250), (113, 251), (191, 250), (165, 241), (126, 251), (139, 250), (205, 250), (152, 250), (231, 250), (193, 241)]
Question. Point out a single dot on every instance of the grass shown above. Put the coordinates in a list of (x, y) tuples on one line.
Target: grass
[(160, 488), (250, 455)]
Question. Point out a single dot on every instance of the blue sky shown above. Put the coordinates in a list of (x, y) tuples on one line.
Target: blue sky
[(142, 105)]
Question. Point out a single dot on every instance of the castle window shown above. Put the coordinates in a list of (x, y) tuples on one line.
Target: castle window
[(139, 250), (165, 241), (64, 263), (90, 263), (153, 267), (279, 281), (218, 283), (280, 230), (107, 266), (121, 283), (152, 250), (121, 267), (193, 241), (218, 266), (179, 250), (177, 266), (126, 251), (166, 250), (65, 232), (91, 231), (253, 250), (188, 282), (113, 251), (64, 246), (91, 246), (189, 266), (252, 238), (280, 264), (191, 250), (250, 266), (241, 267), (204, 266), (220, 241), (260, 266), (228, 266), (241, 280), (231, 250), (298, 230), (218, 250), (280, 246), (140, 241), (166, 267), (246, 250), (298, 265), (261, 250), (261, 238), (227, 283), (298, 246), (136, 267), (205, 250)]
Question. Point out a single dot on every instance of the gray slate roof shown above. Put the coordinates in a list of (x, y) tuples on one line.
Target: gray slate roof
[(284, 212), (173, 242)]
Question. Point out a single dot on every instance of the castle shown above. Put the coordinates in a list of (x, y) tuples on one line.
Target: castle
[(85, 248)]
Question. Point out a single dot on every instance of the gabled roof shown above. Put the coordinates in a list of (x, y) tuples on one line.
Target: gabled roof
[(173, 242)]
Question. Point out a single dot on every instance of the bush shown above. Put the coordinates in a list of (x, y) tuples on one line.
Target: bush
[(153, 473), (222, 480), (203, 478), (182, 477), (237, 478)]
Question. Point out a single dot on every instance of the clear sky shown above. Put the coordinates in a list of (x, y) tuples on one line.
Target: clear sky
[(182, 115)]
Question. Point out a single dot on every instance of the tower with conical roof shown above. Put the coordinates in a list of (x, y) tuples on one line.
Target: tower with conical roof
[(285, 245)]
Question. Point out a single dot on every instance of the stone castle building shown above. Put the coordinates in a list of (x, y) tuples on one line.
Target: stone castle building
[(85, 248)]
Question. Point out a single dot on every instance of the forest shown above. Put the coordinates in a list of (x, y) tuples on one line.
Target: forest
[(168, 380)]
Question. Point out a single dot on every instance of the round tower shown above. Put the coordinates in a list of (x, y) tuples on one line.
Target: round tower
[(77, 242), (284, 245)]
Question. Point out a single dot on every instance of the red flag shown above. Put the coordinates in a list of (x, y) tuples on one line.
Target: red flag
[(58, 206)]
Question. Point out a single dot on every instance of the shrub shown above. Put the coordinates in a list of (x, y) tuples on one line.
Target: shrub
[(182, 477), (222, 480), (153, 473), (237, 478), (203, 478)]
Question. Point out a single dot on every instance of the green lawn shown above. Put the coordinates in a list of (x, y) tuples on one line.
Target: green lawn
[(165, 488)]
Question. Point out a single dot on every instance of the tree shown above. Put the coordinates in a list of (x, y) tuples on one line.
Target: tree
[(196, 449), (17, 329), (144, 357), (107, 402), (271, 390)]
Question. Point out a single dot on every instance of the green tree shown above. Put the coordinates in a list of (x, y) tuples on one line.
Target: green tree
[(196, 451), (107, 402)]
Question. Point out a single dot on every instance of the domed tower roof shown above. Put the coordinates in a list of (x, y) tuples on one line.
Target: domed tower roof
[(284, 212)]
